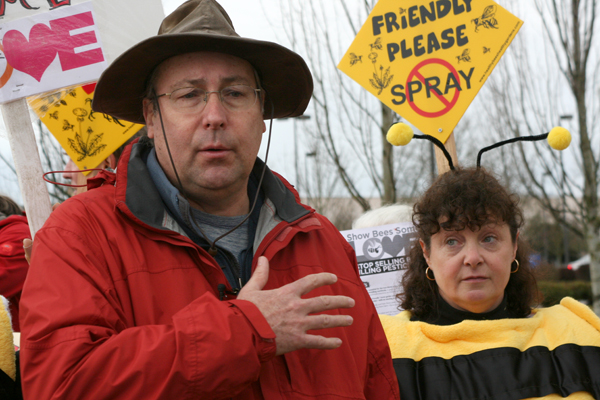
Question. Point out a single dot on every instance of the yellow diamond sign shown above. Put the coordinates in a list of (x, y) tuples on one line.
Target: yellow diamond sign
[(86, 136), (427, 61)]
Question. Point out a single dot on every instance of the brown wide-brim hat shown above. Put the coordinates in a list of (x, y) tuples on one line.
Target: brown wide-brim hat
[(203, 25)]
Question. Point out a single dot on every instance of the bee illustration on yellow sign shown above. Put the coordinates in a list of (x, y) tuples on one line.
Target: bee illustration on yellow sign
[(86, 136), (354, 58), (464, 56), (487, 20), (425, 63)]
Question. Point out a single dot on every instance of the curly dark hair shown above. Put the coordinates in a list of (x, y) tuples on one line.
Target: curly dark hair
[(465, 198)]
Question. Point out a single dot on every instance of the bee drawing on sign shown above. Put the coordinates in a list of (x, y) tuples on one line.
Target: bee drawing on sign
[(67, 126), (487, 20), (89, 148), (54, 115), (464, 56), (402, 10), (374, 250), (55, 99), (376, 45), (486, 49), (354, 59)]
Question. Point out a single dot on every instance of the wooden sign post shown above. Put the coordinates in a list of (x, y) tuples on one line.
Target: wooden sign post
[(440, 158), (27, 163)]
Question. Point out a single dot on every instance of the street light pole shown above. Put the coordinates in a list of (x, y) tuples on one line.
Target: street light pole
[(300, 117)]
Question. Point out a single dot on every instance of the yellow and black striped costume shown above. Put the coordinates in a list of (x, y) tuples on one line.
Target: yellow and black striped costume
[(555, 353)]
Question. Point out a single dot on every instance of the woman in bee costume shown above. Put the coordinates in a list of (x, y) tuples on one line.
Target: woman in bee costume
[(470, 330)]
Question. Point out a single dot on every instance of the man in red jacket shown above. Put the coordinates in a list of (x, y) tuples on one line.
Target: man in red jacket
[(193, 271)]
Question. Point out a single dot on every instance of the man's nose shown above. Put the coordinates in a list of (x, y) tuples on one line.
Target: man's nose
[(214, 113)]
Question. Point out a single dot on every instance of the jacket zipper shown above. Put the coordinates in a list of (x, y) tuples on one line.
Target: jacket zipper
[(223, 292)]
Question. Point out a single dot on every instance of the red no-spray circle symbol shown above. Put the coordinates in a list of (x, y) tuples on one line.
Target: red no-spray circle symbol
[(448, 105)]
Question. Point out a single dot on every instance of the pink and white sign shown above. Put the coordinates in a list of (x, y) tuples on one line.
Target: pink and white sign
[(49, 51)]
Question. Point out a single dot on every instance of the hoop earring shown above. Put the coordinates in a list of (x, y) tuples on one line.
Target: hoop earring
[(427, 274), (516, 269)]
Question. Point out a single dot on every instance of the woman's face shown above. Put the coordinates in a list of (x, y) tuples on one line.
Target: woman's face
[(472, 268)]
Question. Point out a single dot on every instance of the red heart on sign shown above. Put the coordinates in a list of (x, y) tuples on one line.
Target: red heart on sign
[(89, 88), (32, 57)]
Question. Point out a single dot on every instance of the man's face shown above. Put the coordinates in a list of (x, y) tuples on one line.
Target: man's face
[(214, 149), (75, 177)]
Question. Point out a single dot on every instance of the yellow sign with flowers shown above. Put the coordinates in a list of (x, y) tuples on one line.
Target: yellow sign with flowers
[(88, 137), (428, 60)]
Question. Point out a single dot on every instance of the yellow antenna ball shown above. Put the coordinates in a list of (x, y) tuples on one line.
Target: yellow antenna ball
[(400, 134), (559, 138)]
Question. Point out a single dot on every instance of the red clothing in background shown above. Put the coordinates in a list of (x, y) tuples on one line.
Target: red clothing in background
[(13, 265)]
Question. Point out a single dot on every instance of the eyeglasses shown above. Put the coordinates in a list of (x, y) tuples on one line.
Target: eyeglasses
[(192, 100)]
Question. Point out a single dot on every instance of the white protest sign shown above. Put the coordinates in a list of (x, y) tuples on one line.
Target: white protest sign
[(382, 254), (49, 51), (68, 45), (57, 43)]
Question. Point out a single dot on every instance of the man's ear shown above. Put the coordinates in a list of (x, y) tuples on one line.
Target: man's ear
[(424, 248), (111, 162), (149, 111)]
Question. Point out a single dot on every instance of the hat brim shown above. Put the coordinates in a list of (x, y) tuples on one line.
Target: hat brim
[(284, 75)]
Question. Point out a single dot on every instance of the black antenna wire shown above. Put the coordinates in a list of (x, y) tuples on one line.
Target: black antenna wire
[(507, 141), (440, 145)]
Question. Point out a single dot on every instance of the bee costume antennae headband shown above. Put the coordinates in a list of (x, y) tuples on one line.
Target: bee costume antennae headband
[(400, 134)]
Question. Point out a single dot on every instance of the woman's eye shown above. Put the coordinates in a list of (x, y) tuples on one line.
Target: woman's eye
[(489, 239)]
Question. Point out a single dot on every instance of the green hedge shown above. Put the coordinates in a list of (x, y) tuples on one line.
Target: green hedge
[(554, 291)]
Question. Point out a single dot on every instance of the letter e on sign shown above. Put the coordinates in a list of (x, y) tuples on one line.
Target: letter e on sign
[(67, 41)]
